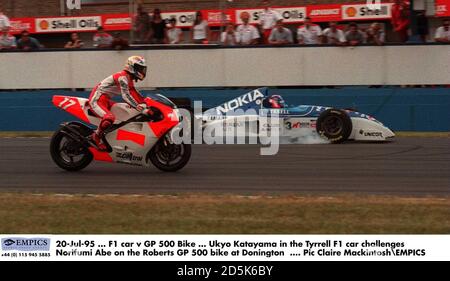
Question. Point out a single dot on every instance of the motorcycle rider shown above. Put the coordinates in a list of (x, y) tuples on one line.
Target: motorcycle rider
[(120, 83), (274, 101)]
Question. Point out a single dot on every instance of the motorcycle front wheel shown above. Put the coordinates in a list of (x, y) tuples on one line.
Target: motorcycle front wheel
[(169, 157)]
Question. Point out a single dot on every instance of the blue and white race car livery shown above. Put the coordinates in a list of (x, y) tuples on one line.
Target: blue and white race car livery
[(332, 124)]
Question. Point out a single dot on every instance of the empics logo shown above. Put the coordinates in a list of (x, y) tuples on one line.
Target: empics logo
[(25, 244), (8, 242)]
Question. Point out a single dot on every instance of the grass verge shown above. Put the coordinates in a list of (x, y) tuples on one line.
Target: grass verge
[(222, 214)]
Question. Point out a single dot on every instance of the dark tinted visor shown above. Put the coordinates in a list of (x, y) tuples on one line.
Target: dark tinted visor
[(140, 69)]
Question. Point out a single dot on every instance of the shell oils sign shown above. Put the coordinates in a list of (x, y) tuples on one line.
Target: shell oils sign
[(67, 24), (366, 12)]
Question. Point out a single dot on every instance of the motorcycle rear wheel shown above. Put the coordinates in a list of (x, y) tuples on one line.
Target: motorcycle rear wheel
[(67, 153)]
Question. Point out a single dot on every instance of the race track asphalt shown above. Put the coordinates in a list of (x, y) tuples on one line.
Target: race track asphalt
[(406, 166)]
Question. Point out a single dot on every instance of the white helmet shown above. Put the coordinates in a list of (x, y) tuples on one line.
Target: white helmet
[(136, 66)]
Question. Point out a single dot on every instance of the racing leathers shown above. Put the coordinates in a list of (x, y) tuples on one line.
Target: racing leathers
[(120, 83)]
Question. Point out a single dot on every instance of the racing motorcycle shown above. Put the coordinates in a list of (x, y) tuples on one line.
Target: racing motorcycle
[(134, 138)]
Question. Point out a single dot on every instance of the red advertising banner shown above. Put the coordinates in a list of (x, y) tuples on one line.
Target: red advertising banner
[(116, 22), (214, 17), (321, 13), (297, 14), (20, 24), (442, 8)]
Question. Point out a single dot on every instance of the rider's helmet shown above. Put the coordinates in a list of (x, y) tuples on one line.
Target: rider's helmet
[(137, 67), (274, 101)]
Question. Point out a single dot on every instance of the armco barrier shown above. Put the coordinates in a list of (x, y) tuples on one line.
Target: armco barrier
[(402, 109)]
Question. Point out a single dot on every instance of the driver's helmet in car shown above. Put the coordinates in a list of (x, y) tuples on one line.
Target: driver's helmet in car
[(274, 101)]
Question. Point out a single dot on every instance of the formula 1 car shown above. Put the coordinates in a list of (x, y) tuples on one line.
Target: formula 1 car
[(332, 124)]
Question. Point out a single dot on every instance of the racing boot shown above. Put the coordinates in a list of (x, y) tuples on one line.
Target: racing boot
[(98, 142), (97, 136)]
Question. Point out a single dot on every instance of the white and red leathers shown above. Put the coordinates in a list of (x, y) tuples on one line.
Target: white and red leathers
[(120, 83)]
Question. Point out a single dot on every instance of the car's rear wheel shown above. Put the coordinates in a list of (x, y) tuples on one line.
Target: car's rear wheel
[(335, 125)]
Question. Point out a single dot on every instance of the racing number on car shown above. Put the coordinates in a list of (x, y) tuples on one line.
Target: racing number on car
[(288, 125), (66, 103)]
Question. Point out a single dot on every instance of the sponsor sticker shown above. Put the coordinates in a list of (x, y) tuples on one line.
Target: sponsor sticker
[(239, 102), (300, 125), (128, 156), (371, 134)]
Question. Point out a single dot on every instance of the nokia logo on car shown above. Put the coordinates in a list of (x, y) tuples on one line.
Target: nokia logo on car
[(240, 101)]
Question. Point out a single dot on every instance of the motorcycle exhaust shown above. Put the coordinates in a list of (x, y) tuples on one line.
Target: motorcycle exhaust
[(74, 135)]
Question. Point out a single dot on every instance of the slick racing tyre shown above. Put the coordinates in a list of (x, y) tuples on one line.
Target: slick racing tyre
[(170, 157), (69, 154), (335, 125)]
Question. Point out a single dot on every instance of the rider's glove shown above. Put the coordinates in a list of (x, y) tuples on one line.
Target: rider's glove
[(148, 112), (144, 110), (141, 107)]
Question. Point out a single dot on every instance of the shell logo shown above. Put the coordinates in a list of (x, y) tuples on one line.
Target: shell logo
[(44, 25), (350, 11)]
